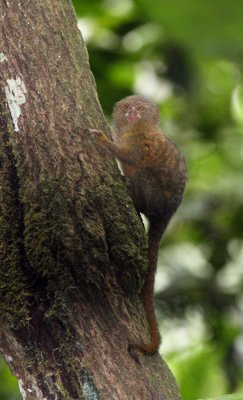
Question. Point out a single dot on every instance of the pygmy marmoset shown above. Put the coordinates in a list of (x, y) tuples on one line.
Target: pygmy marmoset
[(156, 173)]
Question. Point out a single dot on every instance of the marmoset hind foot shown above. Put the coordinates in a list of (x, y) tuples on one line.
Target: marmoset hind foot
[(156, 171)]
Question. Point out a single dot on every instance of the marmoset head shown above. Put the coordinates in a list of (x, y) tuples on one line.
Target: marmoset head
[(134, 112)]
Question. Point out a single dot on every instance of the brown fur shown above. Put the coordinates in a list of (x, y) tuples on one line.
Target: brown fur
[(156, 174)]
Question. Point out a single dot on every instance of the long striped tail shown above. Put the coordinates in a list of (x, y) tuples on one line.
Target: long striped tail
[(155, 233)]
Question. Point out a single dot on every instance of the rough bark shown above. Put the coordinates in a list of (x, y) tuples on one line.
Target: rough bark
[(72, 247)]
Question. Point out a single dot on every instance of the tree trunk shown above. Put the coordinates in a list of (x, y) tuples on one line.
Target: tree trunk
[(72, 247)]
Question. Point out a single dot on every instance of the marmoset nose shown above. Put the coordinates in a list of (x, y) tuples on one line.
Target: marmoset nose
[(132, 114)]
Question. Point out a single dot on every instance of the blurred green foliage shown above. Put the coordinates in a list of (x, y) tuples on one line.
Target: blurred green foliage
[(212, 27), (228, 397), (187, 56), (8, 385)]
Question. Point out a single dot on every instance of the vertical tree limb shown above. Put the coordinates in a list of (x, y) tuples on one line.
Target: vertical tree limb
[(72, 248)]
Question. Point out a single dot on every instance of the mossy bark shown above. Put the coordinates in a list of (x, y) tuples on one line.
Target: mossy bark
[(72, 247)]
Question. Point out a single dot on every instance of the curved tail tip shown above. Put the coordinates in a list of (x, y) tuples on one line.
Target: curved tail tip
[(146, 350)]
